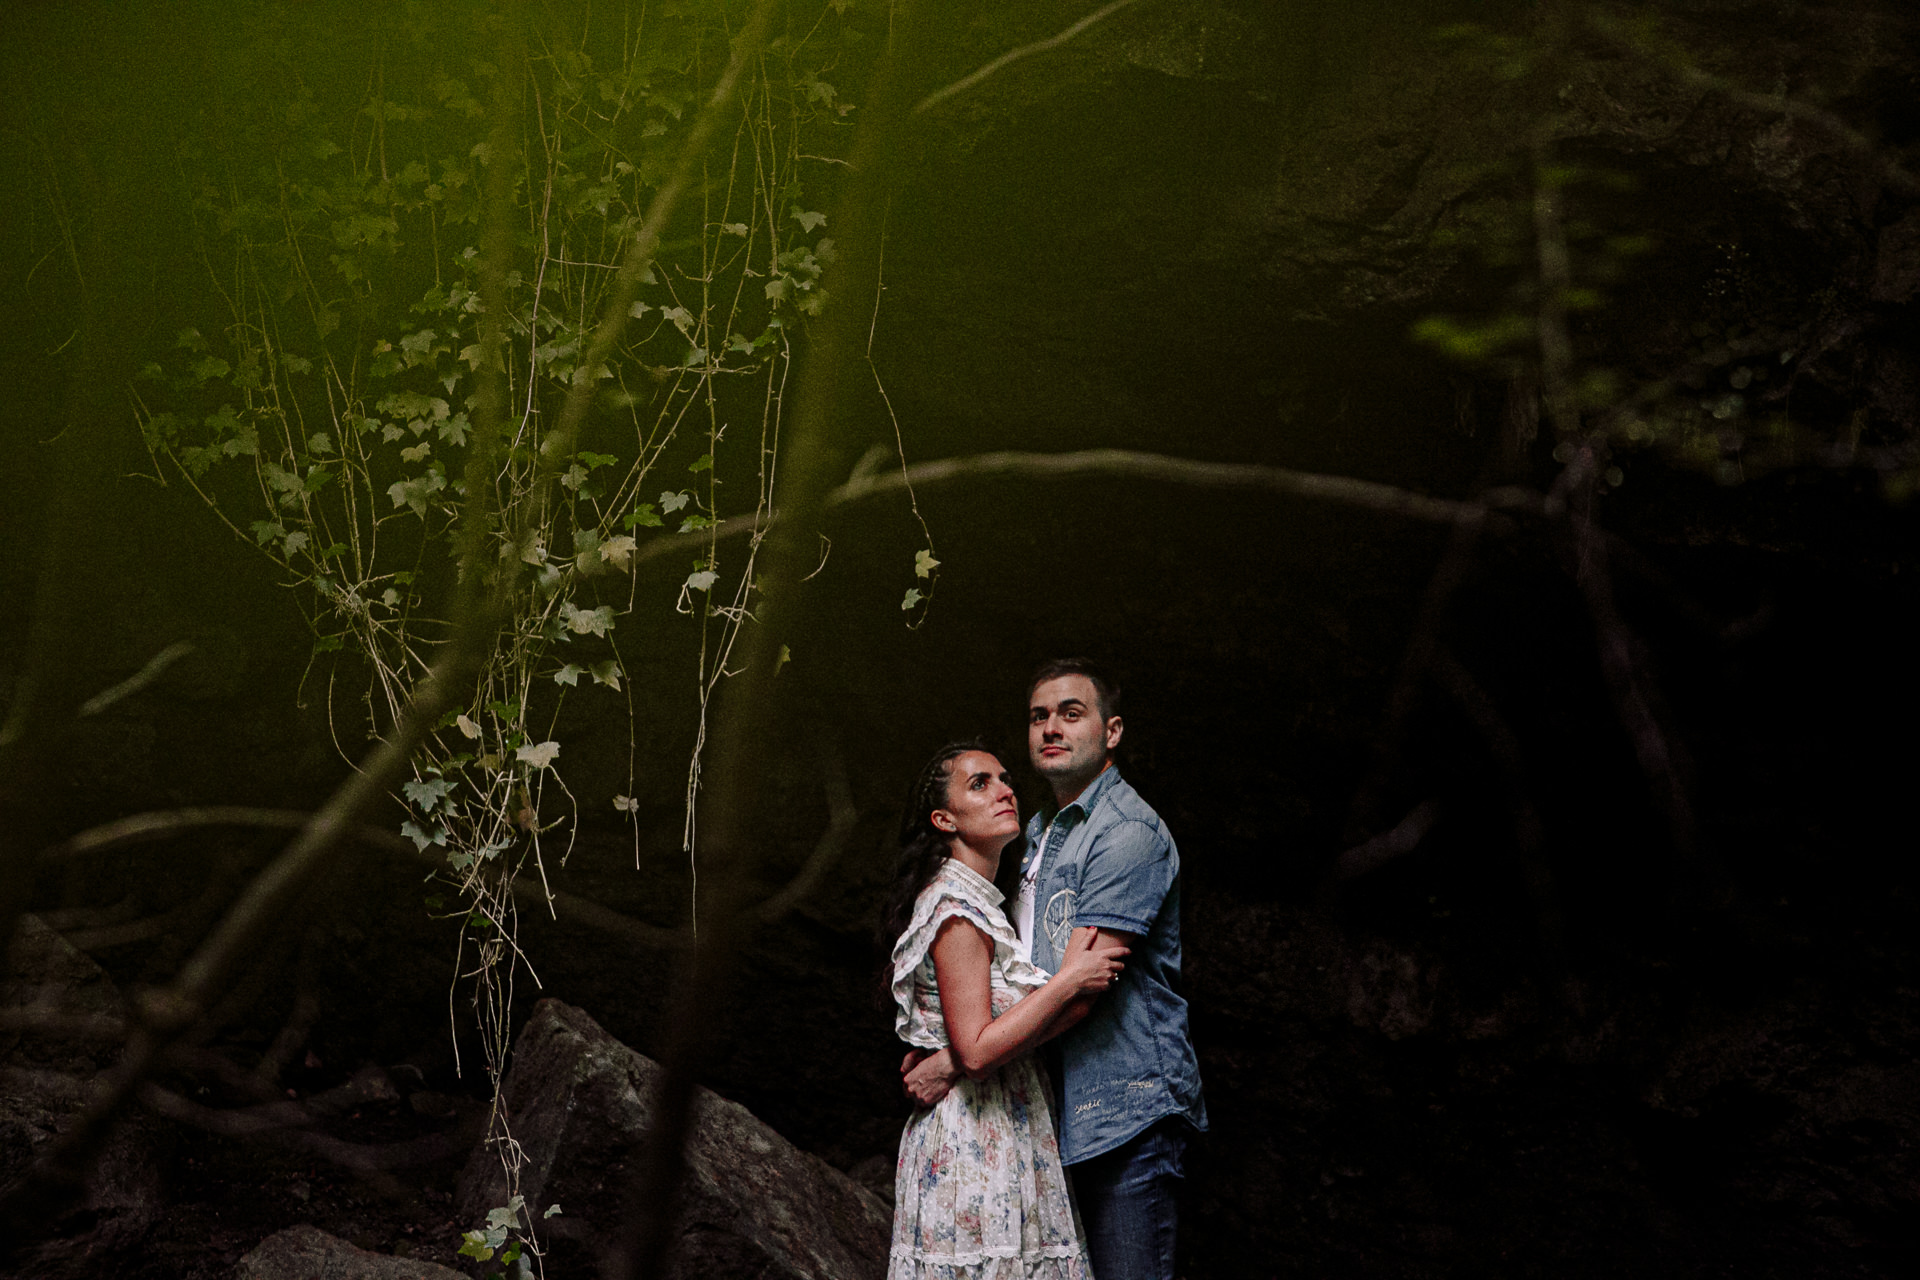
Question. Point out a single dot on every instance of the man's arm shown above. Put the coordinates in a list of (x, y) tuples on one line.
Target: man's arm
[(928, 1077)]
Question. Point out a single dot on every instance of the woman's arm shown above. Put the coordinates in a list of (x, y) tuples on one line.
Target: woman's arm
[(963, 964)]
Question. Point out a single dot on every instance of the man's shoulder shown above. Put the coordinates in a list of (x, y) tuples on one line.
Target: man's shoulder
[(1121, 803)]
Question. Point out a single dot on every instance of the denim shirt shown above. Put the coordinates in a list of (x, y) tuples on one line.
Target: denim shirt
[(1111, 864)]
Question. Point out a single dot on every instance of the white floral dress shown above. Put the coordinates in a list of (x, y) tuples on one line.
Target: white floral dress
[(979, 1192)]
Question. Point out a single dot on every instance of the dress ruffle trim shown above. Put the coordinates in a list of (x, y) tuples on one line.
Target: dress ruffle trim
[(974, 1257), (955, 890)]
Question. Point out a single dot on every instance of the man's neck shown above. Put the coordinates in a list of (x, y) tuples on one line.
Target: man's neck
[(1061, 798)]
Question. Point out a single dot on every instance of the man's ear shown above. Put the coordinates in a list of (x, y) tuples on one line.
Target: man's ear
[(1115, 727)]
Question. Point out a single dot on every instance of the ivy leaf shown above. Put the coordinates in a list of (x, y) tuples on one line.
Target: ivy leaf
[(642, 515), (296, 541), (695, 521), (417, 453), (554, 1208), (913, 598), (568, 675), (507, 1215), (584, 621), (702, 580), (672, 502), (465, 724), (454, 430), (637, 310), (702, 463), (618, 551), (807, 219), (734, 228), (924, 564), (681, 318), (776, 289), (539, 755), (422, 838), (265, 531), (607, 673), (426, 794), (786, 656)]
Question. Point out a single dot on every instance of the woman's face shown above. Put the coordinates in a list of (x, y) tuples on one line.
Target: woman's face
[(981, 810)]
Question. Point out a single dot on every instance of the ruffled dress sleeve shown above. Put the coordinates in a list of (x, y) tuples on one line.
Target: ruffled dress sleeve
[(954, 892)]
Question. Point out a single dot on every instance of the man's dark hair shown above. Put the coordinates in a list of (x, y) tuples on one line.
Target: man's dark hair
[(1101, 679)]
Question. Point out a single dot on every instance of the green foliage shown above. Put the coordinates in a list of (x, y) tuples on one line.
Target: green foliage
[(333, 416)]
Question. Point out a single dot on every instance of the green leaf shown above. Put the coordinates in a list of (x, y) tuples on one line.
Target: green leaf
[(539, 755), (191, 340), (426, 794), (454, 429), (568, 675), (642, 515), (594, 461), (786, 656), (924, 564), (607, 673), (703, 580), (913, 598), (422, 838), (476, 1246), (702, 463), (672, 502), (695, 521), (319, 443), (586, 621), (327, 644), (807, 219)]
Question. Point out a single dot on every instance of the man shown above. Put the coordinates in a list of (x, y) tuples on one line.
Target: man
[(1129, 1082)]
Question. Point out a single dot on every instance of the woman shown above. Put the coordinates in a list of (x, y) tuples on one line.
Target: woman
[(979, 1190)]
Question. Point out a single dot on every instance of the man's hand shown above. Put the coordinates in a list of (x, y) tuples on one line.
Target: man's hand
[(928, 1077)]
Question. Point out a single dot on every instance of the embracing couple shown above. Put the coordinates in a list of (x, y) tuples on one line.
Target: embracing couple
[(1087, 951)]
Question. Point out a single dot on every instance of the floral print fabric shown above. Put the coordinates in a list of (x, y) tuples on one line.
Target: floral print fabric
[(979, 1191)]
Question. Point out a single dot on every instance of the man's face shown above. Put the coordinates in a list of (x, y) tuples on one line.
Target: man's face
[(1066, 735)]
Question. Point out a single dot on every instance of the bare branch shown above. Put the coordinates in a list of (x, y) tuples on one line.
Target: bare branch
[(1384, 848), (1672, 58), (826, 851), (1012, 56), (1369, 495), (155, 668)]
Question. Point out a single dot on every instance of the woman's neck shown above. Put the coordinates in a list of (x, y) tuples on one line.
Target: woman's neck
[(987, 865)]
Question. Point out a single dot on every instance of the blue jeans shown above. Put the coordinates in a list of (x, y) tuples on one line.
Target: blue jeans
[(1126, 1199)]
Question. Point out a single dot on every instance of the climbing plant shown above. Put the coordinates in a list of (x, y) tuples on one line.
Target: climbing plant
[(337, 414)]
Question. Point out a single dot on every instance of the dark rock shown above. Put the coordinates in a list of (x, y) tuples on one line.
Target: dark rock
[(308, 1253), (581, 1105), (46, 1075)]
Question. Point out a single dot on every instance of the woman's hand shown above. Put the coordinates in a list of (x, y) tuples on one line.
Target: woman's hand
[(1089, 967)]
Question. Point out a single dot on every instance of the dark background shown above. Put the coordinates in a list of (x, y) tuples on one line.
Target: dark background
[(1206, 229)]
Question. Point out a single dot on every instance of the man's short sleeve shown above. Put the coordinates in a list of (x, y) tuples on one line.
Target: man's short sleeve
[(1130, 868)]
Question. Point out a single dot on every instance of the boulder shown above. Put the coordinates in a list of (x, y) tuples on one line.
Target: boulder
[(580, 1105), (308, 1253), (50, 1056)]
